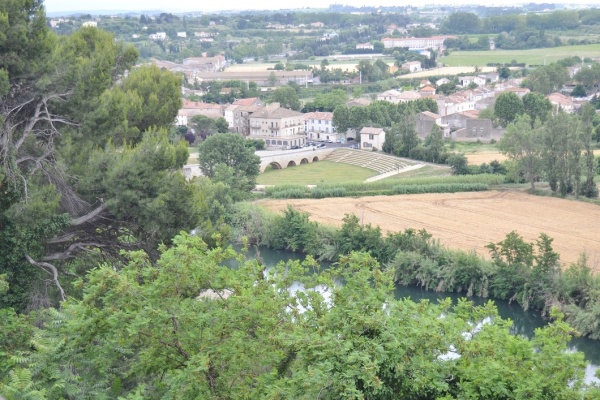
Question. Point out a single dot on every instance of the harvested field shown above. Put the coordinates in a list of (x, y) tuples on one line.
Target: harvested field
[(469, 221), (478, 158), (485, 157)]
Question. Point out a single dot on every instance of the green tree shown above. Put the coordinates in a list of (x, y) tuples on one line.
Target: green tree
[(588, 76), (561, 148), (402, 136), (272, 79), (503, 72), (435, 143), (203, 126), (225, 157), (537, 106), (147, 98), (188, 326), (523, 144), (459, 164), (589, 188), (286, 97), (578, 91), (508, 105), (547, 79), (341, 118), (327, 101), (462, 22), (59, 169)]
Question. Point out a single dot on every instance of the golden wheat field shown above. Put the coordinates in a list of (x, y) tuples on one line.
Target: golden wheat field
[(469, 221)]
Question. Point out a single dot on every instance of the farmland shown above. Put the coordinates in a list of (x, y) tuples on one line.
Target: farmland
[(527, 56), (469, 221)]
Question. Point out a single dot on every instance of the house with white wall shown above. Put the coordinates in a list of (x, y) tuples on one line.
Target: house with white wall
[(319, 125), (372, 138)]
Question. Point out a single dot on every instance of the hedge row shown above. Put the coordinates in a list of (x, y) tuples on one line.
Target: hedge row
[(341, 191), (386, 186)]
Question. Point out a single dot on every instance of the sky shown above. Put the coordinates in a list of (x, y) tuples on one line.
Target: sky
[(204, 5)]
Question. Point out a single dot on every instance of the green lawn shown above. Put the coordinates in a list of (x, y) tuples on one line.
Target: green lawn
[(425, 172), (471, 148), (315, 173), (529, 56)]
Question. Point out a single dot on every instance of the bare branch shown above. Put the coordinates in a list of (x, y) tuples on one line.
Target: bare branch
[(69, 252), (50, 269), (61, 239), (88, 217)]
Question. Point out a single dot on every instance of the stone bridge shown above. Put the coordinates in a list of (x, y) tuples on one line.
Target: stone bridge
[(277, 159), (289, 158)]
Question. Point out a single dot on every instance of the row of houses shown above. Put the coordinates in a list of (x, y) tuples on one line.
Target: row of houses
[(458, 116), (279, 127)]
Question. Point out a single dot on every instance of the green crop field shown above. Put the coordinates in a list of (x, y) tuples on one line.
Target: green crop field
[(315, 173), (528, 56)]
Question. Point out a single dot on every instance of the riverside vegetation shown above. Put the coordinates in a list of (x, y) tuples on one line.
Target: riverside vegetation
[(528, 273)]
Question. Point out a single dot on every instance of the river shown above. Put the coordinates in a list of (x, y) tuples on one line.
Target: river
[(524, 322)]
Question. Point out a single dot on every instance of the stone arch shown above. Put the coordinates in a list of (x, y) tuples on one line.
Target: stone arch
[(315, 159), (304, 161), (291, 164), (275, 165)]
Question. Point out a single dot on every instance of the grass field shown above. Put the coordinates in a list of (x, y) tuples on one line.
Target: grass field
[(469, 221), (425, 172), (528, 56), (315, 173)]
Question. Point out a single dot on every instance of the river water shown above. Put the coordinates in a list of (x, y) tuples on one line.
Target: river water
[(524, 322)]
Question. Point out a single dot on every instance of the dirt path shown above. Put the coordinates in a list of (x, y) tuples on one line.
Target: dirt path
[(470, 221)]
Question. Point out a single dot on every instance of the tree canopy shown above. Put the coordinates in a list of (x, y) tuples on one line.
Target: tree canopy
[(86, 168), (192, 327), (226, 157)]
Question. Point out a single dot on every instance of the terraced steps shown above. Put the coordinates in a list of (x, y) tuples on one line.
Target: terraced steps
[(381, 163)]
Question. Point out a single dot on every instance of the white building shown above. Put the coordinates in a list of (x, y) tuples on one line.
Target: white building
[(182, 34), (158, 36), (319, 125), (371, 138), (433, 42), (412, 66), (364, 46), (90, 24), (395, 96)]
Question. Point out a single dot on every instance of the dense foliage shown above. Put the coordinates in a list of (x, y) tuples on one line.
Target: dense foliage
[(559, 150), (379, 113), (192, 327)]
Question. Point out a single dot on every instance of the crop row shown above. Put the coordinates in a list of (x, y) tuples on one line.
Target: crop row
[(343, 191)]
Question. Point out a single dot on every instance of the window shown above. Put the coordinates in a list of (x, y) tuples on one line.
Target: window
[(371, 137)]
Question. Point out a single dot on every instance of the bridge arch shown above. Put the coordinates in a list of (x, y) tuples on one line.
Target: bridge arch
[(315, 159), (275, 165), (292, 163), (304, 161)]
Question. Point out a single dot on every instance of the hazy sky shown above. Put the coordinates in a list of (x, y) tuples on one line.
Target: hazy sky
[(205, 5)]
